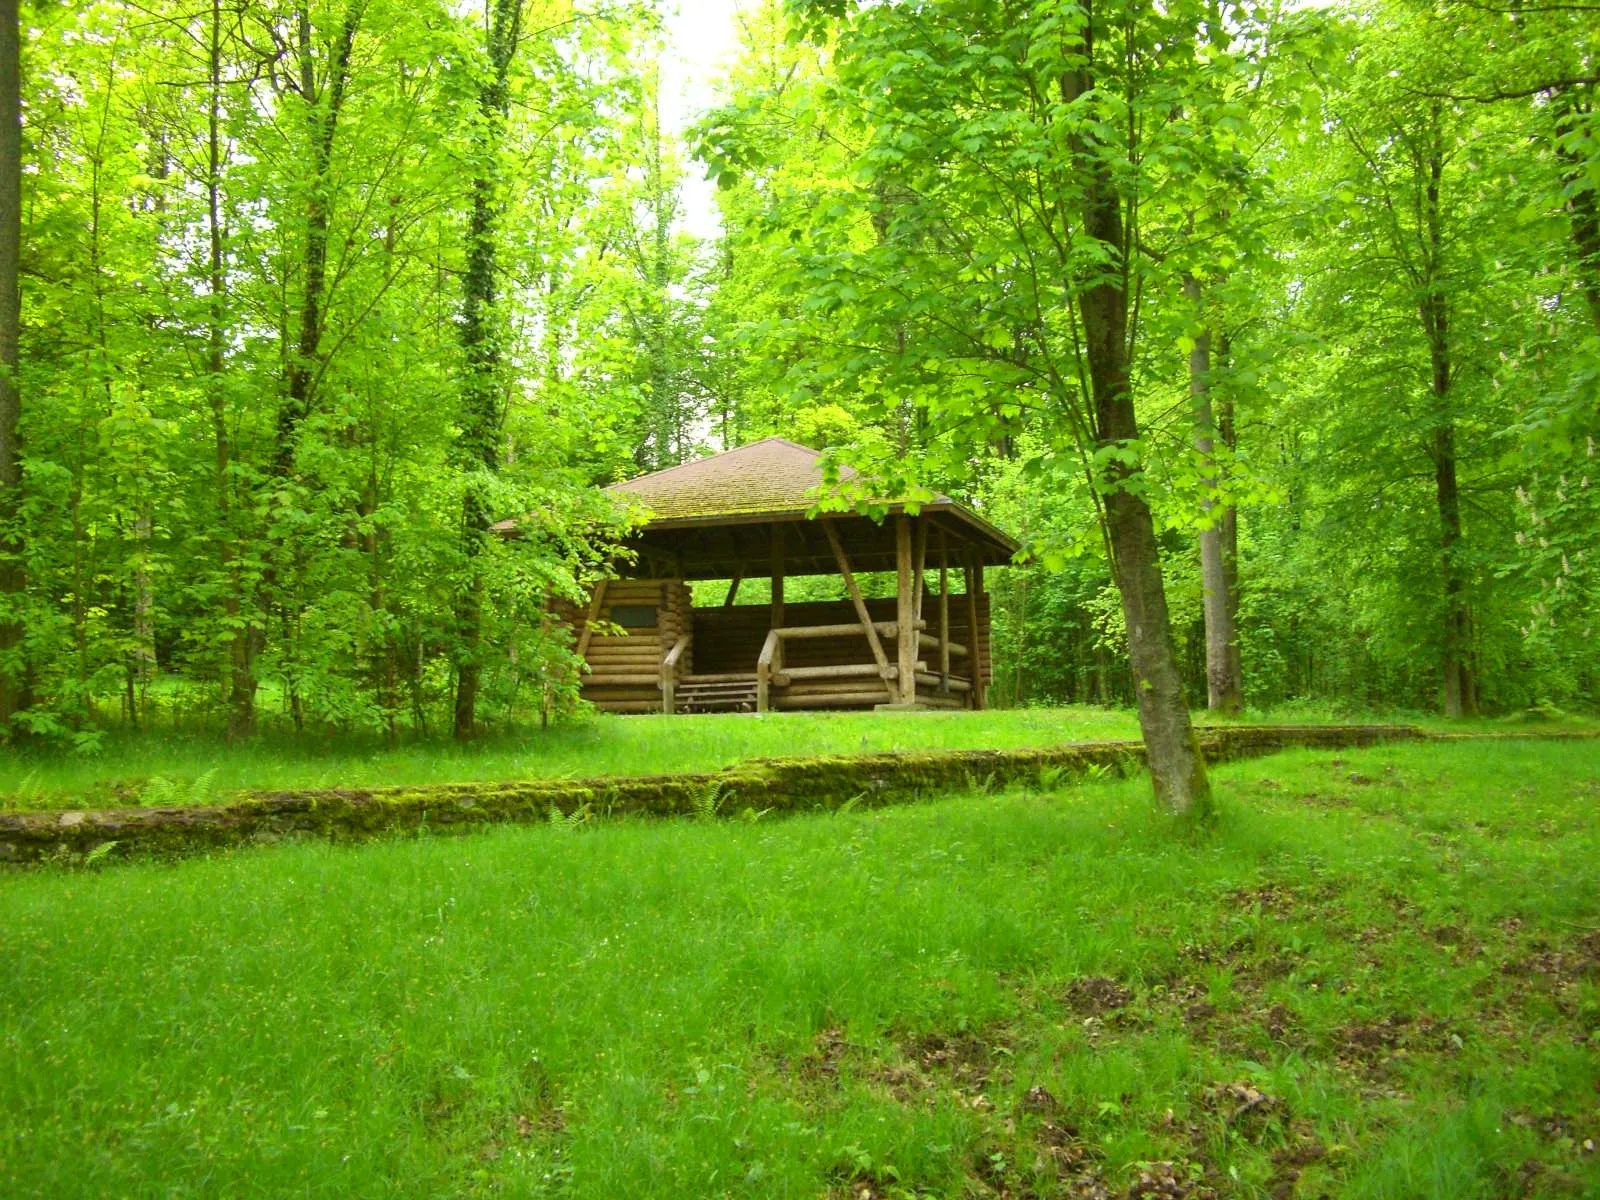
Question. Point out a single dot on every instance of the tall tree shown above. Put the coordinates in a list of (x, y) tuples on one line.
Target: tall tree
[(1401, 149), (1219, 532), (1105, 294), (12, 579), (482, 334), (242, 634), (323, 100), (997, 247)]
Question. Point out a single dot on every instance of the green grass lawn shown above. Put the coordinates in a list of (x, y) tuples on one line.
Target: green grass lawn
[(157, 768), (1377, 978)]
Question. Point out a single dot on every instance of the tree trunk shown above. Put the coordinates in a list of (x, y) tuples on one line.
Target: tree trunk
[(1229, 524), (663, 392), (480, 340), (301, 373), (1583, 206), (242, 641), (13, 674), (1459, 693), (1176, 767), (323, 109), (1224, 690), (144, 629)]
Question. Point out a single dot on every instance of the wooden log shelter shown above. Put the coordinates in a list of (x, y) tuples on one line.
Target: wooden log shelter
[(742, 514)]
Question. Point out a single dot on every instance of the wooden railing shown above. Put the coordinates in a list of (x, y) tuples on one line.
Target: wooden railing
[(669, 672), (771, 673)]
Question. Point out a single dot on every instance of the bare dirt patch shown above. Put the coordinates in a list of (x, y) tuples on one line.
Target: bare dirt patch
[(1244, 1108), (1096, 995), (966, 1059), (828, 1049), (1273, 898), (1375, 1048), (1556, 967), (1171, 1181)]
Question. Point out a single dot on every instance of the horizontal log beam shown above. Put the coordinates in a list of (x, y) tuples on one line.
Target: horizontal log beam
[(830, 699), (855, 629), (608, 679), (929, 642), (843, 671)]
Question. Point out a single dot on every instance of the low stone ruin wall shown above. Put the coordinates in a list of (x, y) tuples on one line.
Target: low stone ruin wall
[(777, 785)]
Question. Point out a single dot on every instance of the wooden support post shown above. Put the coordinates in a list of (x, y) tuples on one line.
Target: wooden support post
[(733, 589), (596, 603), (769, 651), (777, 591), (980, 693), (944, 616), (777, 576), (671, 664), (919, 558), (905, 613), (865, 617)]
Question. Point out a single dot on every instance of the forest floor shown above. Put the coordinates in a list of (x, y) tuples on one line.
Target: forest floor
[(162, 768), (1378, 976)]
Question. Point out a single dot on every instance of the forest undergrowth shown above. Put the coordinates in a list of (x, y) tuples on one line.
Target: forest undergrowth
[(1378, 976)]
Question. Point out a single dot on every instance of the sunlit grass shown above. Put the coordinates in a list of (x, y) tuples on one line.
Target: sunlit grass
[(1394, 948)]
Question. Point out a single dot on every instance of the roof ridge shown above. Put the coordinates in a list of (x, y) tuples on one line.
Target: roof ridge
[(786, 441), (684, 466)]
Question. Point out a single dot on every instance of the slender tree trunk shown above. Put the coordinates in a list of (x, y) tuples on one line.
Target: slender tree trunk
[(243, 637), (663, 393), (1460, 696), (13, 583), (1176, 767), (301, 374), (1228, 528), (144, 630), (374, 542), (1583, 206), (1224, 689), (481, 340)]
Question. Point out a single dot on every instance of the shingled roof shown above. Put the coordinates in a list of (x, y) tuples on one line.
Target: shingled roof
[(773, 475), (776, 480), (711, 518)]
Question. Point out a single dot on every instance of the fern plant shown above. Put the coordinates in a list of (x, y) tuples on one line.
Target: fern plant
[(849, 804), (200, 789), (575, 819), (1052, 779), (708, 799), (100, 852), (159, 792)]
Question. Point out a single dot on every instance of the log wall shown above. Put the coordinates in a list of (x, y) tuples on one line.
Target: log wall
[(624, 669)]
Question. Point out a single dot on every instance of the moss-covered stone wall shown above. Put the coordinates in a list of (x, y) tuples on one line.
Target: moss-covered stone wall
[(776, 785)]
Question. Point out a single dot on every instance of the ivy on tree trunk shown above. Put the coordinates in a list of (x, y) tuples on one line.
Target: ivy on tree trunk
[(481, 342)]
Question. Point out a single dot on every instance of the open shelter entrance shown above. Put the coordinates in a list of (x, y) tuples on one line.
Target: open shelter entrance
[(740, 516)]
